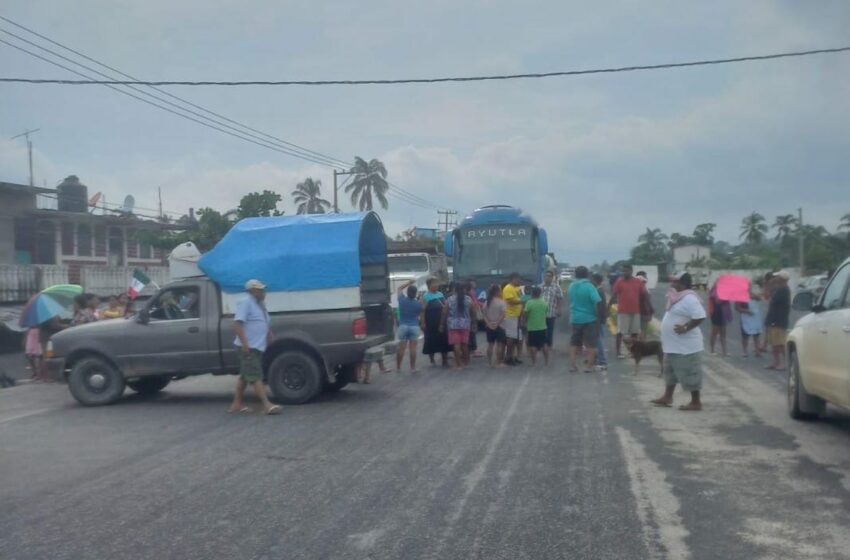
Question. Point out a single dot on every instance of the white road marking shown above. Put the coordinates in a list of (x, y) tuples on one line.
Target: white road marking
[(472, 480), (23, 415), (657, 505)]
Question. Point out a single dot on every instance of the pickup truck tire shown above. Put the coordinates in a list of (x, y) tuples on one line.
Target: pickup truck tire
[(294, 377), (344, 376), (801, 405), (149, 385), (94, 381)]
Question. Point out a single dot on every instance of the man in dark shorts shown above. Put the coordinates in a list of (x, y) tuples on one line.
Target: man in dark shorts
[(251, 323), (583, 297)]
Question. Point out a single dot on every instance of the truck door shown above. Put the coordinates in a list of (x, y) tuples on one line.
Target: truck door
[(174, 339)]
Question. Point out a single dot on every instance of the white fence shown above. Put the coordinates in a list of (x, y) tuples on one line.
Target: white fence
[(19, 282)]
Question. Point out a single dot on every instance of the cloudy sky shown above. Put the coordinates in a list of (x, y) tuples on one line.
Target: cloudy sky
[(595, 159)]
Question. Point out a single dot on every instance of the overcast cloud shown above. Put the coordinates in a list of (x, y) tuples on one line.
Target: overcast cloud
[(595, 159)]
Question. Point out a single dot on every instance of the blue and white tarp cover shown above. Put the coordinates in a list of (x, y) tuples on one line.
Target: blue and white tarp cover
[(297, 253)]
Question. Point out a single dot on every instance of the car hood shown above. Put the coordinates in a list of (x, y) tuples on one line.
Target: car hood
[(92, 329)]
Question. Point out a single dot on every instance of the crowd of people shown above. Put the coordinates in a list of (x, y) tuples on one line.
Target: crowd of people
[(87, 308)]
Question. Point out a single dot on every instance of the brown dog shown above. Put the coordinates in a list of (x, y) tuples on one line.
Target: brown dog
[(641, 349)]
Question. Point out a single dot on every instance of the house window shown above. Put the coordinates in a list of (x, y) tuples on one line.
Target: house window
[(100, 241), (67, 238), (132, 244), (84, 240), (45, 247), (116, 247), (144, 247)]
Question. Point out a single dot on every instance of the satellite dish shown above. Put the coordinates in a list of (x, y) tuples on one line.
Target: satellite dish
[(129, 204)]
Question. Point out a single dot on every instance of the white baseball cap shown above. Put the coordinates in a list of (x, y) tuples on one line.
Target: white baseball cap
[(254, 285)]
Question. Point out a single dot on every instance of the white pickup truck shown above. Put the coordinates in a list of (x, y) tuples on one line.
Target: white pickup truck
[(418, 267)]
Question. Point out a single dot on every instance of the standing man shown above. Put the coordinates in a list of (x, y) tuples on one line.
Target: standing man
[(553, 296), (646, 308), (583, 297), (778, 316), (602, 317), (682, 343), (512, 295), (627, 295), (253, 335)]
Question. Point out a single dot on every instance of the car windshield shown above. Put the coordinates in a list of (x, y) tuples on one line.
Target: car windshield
[(408, 263), (496, 256)]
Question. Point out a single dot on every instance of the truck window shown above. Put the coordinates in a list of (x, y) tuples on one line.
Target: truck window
[(176, 303)]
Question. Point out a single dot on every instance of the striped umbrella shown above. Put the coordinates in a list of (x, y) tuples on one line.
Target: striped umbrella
[(49, 303)]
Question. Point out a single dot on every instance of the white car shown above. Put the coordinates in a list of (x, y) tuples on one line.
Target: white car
[(818, 349)]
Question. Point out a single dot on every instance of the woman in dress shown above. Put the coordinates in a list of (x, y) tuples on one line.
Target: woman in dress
[(436, 339), (752, 324)]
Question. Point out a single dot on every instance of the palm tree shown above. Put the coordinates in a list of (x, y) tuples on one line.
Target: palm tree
[(369, 179), (784, 226), (308, 196), (753, 229), (845, 223), (653, 239)]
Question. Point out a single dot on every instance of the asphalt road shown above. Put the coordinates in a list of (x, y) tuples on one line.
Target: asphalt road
[(508, 464)]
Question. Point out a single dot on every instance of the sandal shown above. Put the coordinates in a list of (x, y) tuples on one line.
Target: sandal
[(273, 410), (660, 403), (243, 410)]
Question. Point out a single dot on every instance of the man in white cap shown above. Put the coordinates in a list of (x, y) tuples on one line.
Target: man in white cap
[(251, 323), (778, 317), (682, 343)]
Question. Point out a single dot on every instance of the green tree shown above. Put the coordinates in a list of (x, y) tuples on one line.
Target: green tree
[(258, 205), (369, 180), (704, 234), (845, 224), (308, 196), (651, 247), (753, 229), (784, 226), (679, 240), (204, 231)]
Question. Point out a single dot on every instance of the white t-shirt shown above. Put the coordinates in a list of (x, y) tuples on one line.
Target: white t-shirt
[(685, 310), (255, 320)]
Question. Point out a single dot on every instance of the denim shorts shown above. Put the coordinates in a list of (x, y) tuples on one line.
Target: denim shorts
[(407, 333)]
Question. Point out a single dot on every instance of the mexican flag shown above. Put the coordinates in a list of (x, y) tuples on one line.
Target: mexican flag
[(138, 283)]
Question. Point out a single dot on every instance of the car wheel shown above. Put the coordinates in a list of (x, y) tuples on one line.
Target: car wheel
[(294, 377), (149, 385), (344, 376), (94, 381), (801, 405)]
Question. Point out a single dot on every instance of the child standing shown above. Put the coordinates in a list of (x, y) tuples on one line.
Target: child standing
[(32, 349), (751, 324), (535, 320)]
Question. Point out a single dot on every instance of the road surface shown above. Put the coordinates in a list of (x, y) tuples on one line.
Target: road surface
[(511, 464)]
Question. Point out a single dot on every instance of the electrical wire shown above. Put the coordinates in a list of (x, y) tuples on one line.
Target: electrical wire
[(612, 70), (287, 147)]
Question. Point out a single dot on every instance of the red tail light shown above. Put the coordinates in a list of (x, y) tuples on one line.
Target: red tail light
[(359, 328)]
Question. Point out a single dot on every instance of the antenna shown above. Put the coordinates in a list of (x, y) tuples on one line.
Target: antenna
[(29, 149), (129, 204)]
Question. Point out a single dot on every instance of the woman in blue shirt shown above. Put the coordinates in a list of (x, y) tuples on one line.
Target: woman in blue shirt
[(409, 313)]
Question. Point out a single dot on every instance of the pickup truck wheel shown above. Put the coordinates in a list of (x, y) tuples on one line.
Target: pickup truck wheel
[(149, 385), (294, 377), (344, 376), (94, 381), (801, 405)]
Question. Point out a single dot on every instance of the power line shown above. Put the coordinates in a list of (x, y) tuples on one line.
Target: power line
[(612, 70), (295, 150)]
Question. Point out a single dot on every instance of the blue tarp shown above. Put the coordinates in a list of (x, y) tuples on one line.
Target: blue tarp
[(296, 253)]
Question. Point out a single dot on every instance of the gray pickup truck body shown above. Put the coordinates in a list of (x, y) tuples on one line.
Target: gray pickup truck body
[(311, 351)]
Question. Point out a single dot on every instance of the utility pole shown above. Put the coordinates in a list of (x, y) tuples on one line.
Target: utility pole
[(802, 254), (29, 149), (336, 174), (159, 193), (445, 221)]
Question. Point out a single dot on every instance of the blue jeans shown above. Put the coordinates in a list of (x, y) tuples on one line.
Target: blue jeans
[(600, 348)]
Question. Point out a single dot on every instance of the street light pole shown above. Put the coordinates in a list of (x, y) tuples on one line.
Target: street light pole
[(802, 255), (336, 188)]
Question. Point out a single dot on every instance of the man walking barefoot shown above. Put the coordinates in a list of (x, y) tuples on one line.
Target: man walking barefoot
[(681, 340), (253, 335)]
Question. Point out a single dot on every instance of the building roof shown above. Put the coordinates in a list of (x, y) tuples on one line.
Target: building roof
[(24, 189), (118, 220)]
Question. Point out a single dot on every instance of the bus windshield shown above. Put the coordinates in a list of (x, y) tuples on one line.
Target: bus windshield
[(496, 256)]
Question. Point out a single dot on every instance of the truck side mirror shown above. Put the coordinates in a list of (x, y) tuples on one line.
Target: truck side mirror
[(143, 317)]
